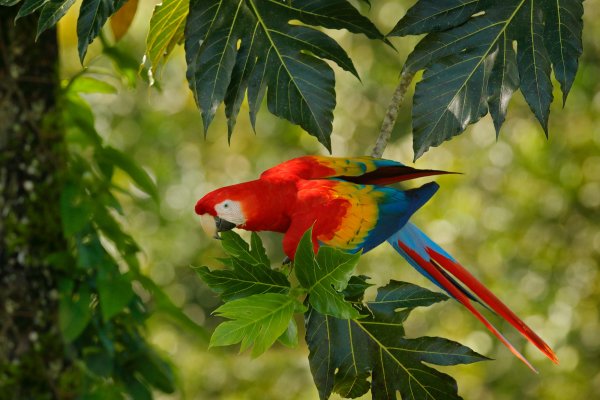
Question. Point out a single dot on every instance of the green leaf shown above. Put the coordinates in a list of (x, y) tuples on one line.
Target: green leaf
[(236, 247), (93, 14), (470, 64), (135, 172), (166, 30), (344, 354), (30, 6), (163, 303), (87, 84), (238, 45), (8, 3), (114, 290), (325, 277), (562, 38), (74, 312), (257, 320), (51, 12), (75, 209), (289, 338), (79, 121), (397, 295), (155, 371), (98, 361), (244, 280)]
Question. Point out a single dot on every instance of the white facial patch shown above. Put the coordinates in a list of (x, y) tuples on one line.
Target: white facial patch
[(231, 211)]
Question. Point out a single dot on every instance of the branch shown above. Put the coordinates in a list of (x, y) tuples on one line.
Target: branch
[(392, 113)]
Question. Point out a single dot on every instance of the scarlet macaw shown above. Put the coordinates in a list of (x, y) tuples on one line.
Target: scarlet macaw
[(348, 205)]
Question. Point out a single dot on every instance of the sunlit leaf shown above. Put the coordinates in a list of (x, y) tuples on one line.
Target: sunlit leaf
[(470, 65), (166, 30), (88, 84), (325, 276), (234, 46), (257, 321)]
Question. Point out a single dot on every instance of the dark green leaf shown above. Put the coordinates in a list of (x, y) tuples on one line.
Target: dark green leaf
[(8, 3), (434, 15), (155, 371), (345, 353), (325, 277), (114, 290), (93, 14), (257, 321), (166, 30), (397, 295), (356, 288), (236, 247), (244, 280), (470, 64), (533, 62), (30, 6), (131, 168), (98, 361), (74, 312), (75, 209), (90, 253), (562, 38), (238, 45), (51, 12)]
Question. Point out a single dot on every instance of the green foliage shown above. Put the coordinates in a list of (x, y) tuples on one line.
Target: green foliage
[(93, 14), (100, 314), (166, 30), (234, 46), (258, 321), (355, 346), (344, 353), (471, 65), (325, 277)]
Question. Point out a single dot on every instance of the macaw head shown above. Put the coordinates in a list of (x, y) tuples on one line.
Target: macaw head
[(222, 210)]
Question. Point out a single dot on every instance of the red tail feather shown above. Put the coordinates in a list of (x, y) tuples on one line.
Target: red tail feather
[(434, 269)]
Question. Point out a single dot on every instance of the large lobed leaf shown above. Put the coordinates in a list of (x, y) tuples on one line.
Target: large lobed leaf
[(238, 46), (345, 353), (473, 66), (325, 276)]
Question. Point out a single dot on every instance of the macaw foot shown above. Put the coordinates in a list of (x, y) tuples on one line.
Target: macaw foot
[(286, 261)]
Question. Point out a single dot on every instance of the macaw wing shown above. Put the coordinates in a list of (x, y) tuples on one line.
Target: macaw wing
[(353, 217), (362, 170)]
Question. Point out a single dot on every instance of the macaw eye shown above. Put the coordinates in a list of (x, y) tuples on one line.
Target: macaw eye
[(226, 205)]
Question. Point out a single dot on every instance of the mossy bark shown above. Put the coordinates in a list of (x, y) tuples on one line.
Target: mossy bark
[(32, 355)]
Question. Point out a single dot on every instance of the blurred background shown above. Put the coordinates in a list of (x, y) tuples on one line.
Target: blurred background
[(524, 216)]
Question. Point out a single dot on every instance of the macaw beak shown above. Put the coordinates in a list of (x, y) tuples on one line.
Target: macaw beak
[(213, 225)]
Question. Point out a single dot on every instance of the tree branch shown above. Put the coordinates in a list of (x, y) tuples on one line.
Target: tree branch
[(392, 113)]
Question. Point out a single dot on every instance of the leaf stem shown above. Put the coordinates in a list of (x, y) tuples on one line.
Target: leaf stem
[(392, 113)]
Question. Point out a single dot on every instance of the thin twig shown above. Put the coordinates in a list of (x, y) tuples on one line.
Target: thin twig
[(392, 113)]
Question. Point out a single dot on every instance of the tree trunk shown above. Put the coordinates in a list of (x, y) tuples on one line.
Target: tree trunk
[(32, 355)]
